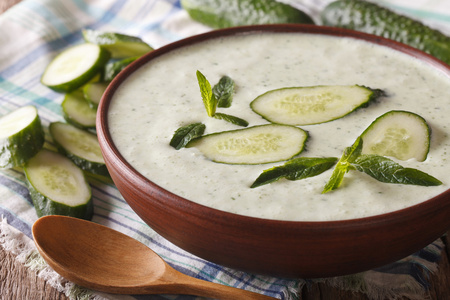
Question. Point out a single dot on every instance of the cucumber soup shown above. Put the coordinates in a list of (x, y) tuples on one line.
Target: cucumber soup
[(164, 95)]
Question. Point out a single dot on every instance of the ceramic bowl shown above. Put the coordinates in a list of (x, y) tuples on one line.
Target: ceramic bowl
[(279, 248)]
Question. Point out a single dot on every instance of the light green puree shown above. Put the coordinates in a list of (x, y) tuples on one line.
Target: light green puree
[(164, 95)]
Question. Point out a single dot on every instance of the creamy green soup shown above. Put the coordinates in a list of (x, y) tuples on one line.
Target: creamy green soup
[(164, 95)]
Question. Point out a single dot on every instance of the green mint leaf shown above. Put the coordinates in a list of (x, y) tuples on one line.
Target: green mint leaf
[(353, 152), (416, 177), (185, 134), (223, 91), (343, 166), (303, 167), (295, 169), (386, 170), (231, 119), (336, 178), (209, 100)]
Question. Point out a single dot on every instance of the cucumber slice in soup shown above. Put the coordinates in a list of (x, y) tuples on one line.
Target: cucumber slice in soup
[(77, 111), (74, 67), (93, 93), (80, 146), (400, 134), (119, 45), (21, 136), (311, 105), (57, 186), (253, 145)]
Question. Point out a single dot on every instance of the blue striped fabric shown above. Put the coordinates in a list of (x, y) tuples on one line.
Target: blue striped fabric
[(34, 31)]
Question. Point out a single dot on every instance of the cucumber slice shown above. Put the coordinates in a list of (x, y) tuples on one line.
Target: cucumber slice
[(253, 145), (80, 146), (57, 186), (21, 136), (115, 67), (119, 45), (93, 93), (400, 134), (77, 111), (74, 67), (311, 105)]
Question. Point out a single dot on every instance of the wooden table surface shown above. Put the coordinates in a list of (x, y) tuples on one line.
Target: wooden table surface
[(19, 283)]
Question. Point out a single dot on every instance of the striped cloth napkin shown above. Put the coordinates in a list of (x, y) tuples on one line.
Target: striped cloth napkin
[(34, 31)]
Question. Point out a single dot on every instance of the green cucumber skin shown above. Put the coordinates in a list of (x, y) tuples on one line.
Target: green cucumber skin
[(111, 41), (113, 68), (108, 38), (17, 149), (427, 127), (83, 164), (45, 206), (70, 120), (374, 19), (230, 13), (82, 80), (68, 115), (92, 104), (373, 97), (195, 141)]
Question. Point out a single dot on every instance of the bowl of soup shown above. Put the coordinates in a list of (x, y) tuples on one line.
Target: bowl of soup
[(285, 228)]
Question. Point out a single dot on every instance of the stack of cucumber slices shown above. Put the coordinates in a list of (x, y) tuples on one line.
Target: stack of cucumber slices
[(83, 72), (57, 181)]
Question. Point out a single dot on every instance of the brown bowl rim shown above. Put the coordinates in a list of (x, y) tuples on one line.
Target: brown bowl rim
[(426, 207)]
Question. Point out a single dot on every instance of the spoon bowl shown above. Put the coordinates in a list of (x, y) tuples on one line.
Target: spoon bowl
[(103, 259)]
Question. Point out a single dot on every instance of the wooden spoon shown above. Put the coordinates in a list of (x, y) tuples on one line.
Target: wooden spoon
[(103, 259)]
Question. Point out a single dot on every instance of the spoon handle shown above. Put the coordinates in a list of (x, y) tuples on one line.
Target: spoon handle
[(187, 285)]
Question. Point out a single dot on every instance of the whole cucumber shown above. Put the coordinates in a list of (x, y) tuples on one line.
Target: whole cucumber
[(374, 19), (229, 13)]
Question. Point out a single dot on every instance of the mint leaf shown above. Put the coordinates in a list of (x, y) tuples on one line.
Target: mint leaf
[(223, 91), (353, 152), (295, 169), (185, 134), (416, 177), (386, 170), (379, 167), (336, 178), (303, 167), (343, 166), (209, 100), (231, 119)]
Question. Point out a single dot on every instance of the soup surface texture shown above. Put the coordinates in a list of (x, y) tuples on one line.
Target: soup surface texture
[(164, 95)]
